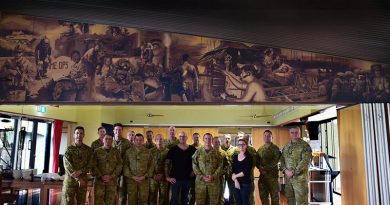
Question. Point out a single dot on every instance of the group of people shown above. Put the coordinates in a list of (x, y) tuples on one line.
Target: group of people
[(171, 171)]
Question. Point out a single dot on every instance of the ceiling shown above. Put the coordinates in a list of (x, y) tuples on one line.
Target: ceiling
[(178, 115), (358, 29)]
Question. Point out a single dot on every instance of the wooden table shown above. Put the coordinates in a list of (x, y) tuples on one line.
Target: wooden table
[(44, 187)]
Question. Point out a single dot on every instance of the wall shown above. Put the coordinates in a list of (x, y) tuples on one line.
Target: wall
[(352, 163)]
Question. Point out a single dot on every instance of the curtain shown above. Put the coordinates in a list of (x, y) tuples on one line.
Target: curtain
[(56, 144)]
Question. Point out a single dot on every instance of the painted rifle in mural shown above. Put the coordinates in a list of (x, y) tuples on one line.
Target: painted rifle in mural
[(54, 61)]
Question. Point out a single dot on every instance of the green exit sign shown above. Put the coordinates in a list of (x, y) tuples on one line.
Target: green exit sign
[(41, 109)]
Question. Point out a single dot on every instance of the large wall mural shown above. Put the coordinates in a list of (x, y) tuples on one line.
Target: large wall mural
[(53, 61)]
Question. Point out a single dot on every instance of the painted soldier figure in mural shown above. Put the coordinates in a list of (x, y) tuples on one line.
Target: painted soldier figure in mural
[(268, 159), (295, 160), (252, 87), (138, 169), (207, 164), (17, 75), (158, 185), (188, 79), (77, 162), (42, 57), (380, 84), (108, 166)]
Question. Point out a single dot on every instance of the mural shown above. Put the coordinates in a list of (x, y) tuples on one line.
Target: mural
[(52, 61)]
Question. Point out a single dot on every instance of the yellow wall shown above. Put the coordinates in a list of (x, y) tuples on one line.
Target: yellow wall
[(352, 163)]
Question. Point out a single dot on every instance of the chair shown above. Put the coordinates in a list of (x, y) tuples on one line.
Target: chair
[(9, 198)]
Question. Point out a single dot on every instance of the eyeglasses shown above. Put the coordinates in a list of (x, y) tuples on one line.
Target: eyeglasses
[(241, 145)]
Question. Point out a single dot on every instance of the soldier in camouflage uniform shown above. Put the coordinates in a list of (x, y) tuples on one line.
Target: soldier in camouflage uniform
[(130, 136), (191, 195), (149, 144), (158, 184), (269, 155), (252, 151), (122, 145), (230, 151), (99, 142), (172, 140), (217, 146), (108, 166), (138, 168), (295, 160), (207, 164), (77, 162)]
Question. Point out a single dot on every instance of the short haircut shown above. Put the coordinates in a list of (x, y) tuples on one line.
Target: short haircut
[(295, 127), (139, 135), (78, 128), (207, 133), (269, 131), (118, 125), (149, 131), (100, 128), (174, 128), (195, 134), (108, 134)]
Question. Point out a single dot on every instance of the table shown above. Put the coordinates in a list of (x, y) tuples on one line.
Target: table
[(43, 186)]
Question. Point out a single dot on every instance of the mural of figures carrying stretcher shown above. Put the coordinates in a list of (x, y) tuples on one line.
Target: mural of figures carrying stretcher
[(43, 60)]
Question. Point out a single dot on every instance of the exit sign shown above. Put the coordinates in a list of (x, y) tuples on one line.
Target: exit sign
[(41, 109)]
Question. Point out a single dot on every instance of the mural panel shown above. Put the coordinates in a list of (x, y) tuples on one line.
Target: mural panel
[(52, 61)]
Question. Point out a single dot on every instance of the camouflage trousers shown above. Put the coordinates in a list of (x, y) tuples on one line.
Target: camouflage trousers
[(297, 191), (160, 190), (207, 192), (230, 185), (104, 193), (138, 193), (70, 190), (222, 189), (122, 190), (268, 187)]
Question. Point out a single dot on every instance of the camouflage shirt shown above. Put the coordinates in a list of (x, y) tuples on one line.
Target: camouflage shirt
[(226, 163), (296, 156), (122, 145), (107, 162), (138, 162), (169, 144), (268, 159), (77, 158), (207, 163), (159, 157), (149, 145), (96, 144)]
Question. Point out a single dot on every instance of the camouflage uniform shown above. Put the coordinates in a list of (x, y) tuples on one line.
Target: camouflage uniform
[(76, 158), (191, 194), (107, 162), (296, 156), (138, 163), (207, 163), (169, 144), (224, 175), (159, 188), (230, 151), (253, 153), (149, 145), (268, 182), (122, 146), (96, 144)]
